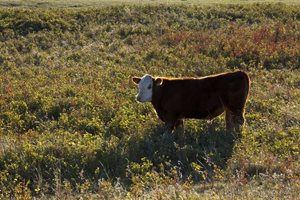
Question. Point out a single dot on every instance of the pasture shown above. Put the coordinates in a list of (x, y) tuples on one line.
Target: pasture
[(77, 4), (70, 126)]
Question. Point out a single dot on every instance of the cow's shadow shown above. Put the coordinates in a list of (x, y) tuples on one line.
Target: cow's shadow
[(207, 144)]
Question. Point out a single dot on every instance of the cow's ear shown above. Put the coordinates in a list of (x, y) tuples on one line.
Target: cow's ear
[(136, 80), (159, 81)]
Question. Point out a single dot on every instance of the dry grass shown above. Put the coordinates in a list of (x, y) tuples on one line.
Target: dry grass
[(76, 4)]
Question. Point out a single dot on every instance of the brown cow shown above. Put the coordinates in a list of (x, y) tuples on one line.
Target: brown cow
[(175, 99)]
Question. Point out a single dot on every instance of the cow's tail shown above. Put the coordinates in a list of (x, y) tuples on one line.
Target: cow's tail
[(248, 84), (247, 80)]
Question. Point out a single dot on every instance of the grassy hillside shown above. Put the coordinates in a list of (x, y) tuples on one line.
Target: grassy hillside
[(70, 125), (78, 4)]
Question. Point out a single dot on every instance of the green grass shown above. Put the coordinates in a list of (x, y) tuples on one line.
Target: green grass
[(75, 4), (71, 128)]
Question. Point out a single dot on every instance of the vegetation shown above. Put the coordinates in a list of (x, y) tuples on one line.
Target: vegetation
[(79, 4), (70, 125)]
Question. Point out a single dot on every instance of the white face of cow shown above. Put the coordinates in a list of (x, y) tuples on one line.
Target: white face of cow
[(145, 89)]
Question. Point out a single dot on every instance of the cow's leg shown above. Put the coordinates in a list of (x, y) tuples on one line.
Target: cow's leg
[(170, 125), (229, 120), (179, 122), (172, 121), (238, 117), (174, 124), (235, 118)]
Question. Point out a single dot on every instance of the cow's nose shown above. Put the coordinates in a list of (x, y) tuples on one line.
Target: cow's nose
[(138, 98)]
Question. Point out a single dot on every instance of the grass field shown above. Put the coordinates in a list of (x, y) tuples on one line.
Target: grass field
[(70, 126), (75, 4)]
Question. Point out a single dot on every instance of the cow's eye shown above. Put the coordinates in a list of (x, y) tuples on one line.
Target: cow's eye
[(149, 87)]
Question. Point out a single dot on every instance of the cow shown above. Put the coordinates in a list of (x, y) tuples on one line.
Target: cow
[(175, 99)]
